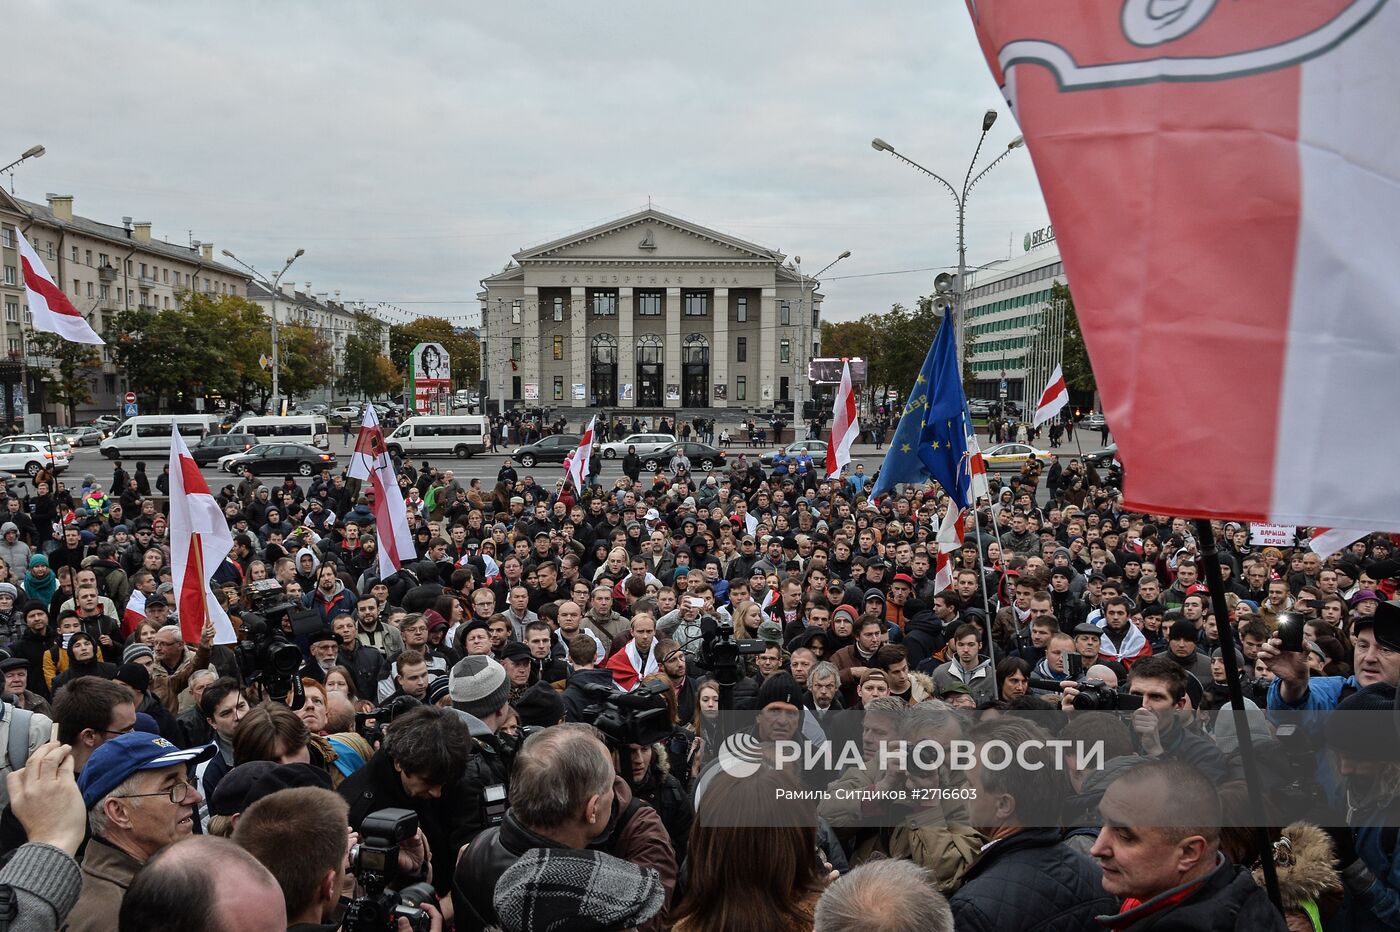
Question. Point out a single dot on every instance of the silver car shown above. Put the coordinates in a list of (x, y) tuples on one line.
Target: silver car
[(645, 444)]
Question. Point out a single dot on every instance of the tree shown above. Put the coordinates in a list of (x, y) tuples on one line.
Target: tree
[(306, 360), (1077, 367), (207, 344), (68, 379), (366, 373), (461, 346)]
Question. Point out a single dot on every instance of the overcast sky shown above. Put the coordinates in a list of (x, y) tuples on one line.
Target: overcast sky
[(410, 148)]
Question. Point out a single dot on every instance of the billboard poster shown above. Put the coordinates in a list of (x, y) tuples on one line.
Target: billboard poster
[(431, 375)]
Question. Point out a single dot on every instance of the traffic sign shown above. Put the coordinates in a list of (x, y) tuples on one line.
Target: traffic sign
[(129, 410), (130, 398)]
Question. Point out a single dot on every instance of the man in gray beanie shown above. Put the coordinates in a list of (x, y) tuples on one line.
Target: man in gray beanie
[(478, 687)]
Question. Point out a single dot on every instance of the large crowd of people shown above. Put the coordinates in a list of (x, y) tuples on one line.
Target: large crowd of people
[(457, 744)]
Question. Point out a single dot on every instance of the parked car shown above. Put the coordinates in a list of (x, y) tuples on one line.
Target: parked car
[(305, 408), (1009, 457), (550, 449), (980, 407), (106, 421), (1092, 421), (28, 456), (1102, 457), (212, 447), (279, 459), (58, 439), (347, 412), (645, 443), (816, 448), (701, 455), (84, 436)]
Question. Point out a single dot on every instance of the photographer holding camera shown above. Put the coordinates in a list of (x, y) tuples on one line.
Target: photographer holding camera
[(1159, 726), (423, 753)]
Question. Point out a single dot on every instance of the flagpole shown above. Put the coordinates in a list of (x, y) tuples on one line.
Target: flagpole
[(197, 554), (986, 602), (1215, 582)]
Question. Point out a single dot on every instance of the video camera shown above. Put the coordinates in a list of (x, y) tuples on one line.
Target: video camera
[(639, 717), (375, 864), (265, 654), (720, 651)]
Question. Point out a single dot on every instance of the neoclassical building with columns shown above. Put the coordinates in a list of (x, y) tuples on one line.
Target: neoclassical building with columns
[(648, 312)]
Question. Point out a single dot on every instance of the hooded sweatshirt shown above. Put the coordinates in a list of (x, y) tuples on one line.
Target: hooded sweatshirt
[(15, 553)]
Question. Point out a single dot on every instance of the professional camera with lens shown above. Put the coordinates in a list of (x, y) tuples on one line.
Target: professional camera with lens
[(1098, 696), (375, 864), (371, 725), (1094, 696), (720, 651)]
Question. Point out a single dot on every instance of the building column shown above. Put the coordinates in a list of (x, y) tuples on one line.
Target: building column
[(578, 347), (768, 348), (719, 348), (626, 349), (673, 347), (531, 364)]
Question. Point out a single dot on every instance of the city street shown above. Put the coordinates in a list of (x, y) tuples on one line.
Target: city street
[(88, 460)]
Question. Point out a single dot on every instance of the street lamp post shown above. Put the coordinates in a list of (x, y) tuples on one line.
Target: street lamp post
[(960, 197), (33, 152), (272, 286), (803, 342)]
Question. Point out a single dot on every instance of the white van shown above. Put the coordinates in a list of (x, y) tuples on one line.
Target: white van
[(150, 433), (297, 428), (461, 435)]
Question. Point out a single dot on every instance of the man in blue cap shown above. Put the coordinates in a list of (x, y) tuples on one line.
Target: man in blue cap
[(139, 799)]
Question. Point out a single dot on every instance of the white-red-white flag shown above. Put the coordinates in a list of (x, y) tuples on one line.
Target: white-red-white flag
[(578, 466), (845, 425), (976, 471), (950, 539), (199, 541), (1223, 185), (134, 613), (49, 308), (1328, 540), (371, 463), (1055, 397)]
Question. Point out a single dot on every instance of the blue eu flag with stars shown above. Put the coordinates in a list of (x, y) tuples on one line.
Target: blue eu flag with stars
[(931, 439)]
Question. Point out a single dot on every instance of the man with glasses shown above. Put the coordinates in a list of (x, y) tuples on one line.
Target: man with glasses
[(140, 800)]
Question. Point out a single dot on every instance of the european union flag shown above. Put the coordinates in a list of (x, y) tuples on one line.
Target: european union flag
[(931, 439)]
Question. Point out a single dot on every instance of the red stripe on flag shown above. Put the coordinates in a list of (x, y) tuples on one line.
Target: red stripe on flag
[(1156, 253), (192, 478), (193, 611), (57, 301), (1052, 391)]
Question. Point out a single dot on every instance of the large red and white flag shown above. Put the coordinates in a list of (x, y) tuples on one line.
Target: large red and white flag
[(845, 425), (1329, 540), (371, 463), (49, 308), (950, 539), (1223, 182), (976, 471), (199, 541), (134, 612), (1052, 400), (578, 466)]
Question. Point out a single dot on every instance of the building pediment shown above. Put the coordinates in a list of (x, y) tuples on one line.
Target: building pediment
[(648, 236)]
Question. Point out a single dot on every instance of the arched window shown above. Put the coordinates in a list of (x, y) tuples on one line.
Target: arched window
[(605, 348), (649, 348), (695, 349)]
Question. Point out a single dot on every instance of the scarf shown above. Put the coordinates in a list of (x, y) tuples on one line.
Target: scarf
[(41, 589)]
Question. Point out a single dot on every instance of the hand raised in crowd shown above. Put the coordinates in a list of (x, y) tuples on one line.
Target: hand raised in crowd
[(45, 798)]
